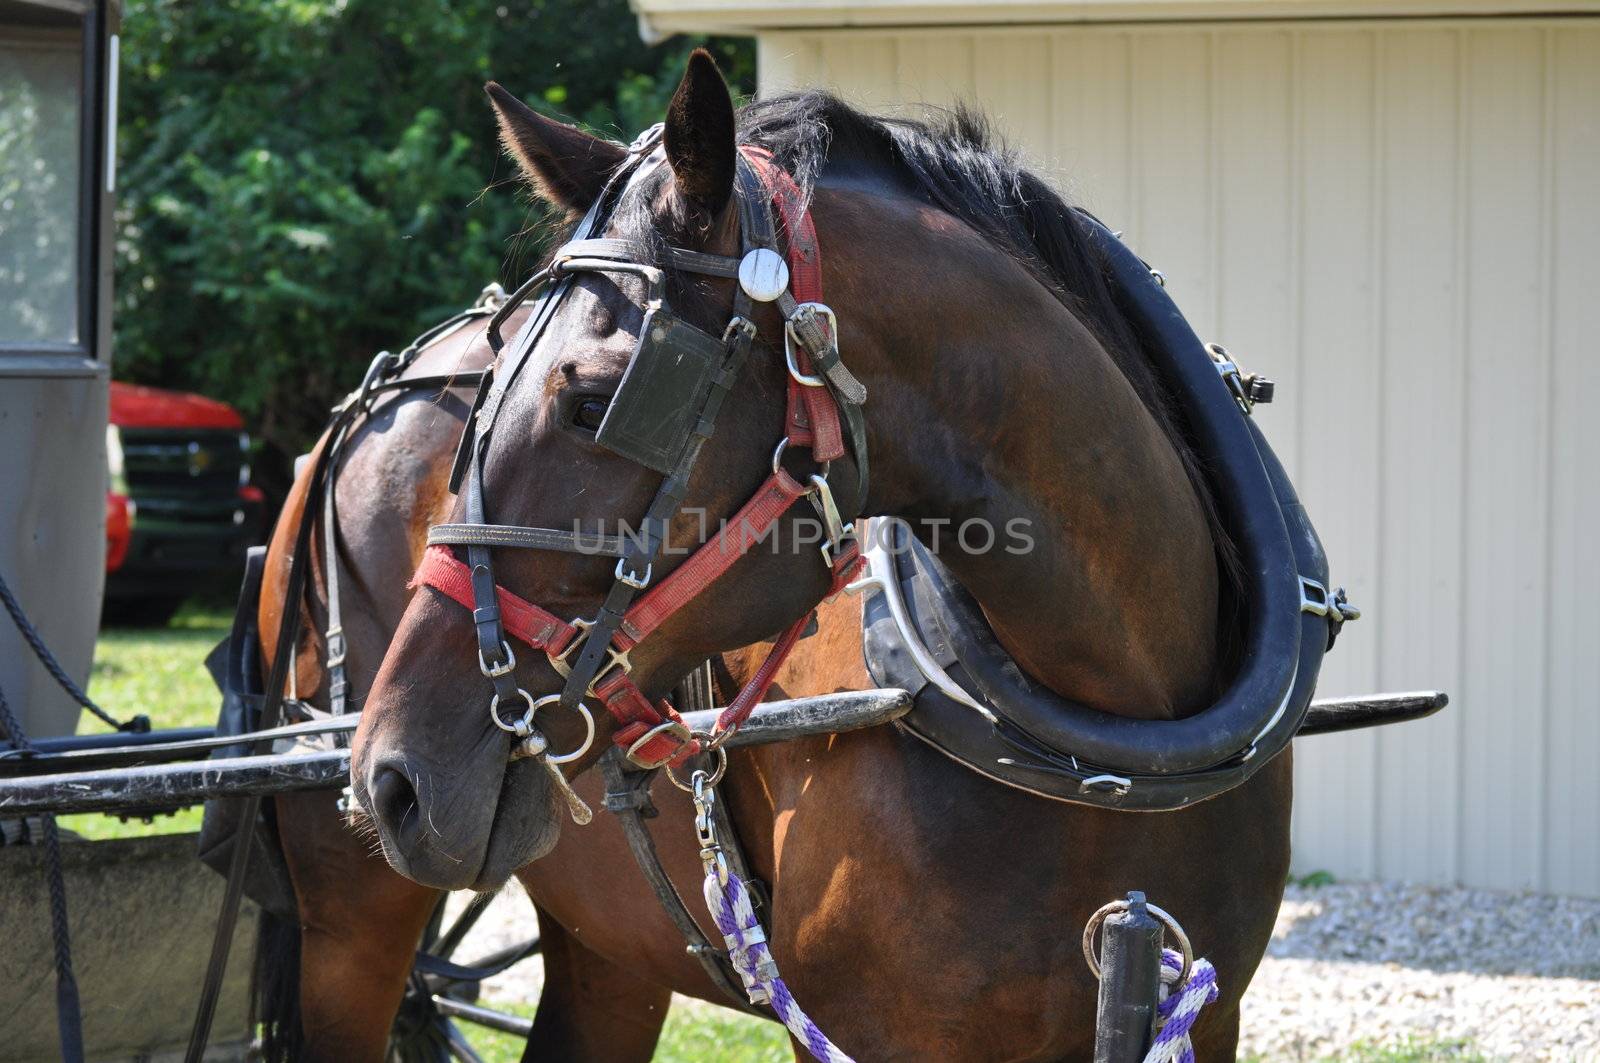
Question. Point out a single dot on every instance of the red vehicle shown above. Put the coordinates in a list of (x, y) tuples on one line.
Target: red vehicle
[(180, 507)]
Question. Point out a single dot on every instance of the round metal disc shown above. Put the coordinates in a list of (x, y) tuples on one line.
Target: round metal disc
[(763, 274)]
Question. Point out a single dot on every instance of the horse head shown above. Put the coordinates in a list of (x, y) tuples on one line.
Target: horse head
[(466, 731)]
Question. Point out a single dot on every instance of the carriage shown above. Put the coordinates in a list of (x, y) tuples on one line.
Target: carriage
[(941, 673)]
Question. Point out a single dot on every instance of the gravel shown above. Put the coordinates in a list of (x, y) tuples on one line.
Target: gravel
[(1447, 973), (1502, 975)]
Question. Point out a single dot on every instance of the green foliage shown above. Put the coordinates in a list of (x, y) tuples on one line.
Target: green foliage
[(1314, 880), (306, 182)]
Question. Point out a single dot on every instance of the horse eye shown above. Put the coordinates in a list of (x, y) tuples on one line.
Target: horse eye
[(588, 413)]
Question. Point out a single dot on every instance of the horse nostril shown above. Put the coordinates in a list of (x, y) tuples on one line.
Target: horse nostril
[(394, 802)]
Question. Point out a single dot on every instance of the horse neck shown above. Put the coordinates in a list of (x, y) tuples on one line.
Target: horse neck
[(992, 403)]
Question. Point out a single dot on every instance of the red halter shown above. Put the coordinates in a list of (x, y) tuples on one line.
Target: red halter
[(652, 732)]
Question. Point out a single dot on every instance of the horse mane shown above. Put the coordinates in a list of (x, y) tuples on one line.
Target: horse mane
[(955, 162)]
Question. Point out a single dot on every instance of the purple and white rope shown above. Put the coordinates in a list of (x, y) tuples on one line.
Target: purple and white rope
[(747, 947), (1177, 1011)]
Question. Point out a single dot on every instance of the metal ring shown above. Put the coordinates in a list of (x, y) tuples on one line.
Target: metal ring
[(1093, 925), (522, 726), (588, 723), (716, 776), (777, 458)]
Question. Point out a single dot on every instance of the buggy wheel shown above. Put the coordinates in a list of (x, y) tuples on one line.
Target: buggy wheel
[(439, 991)]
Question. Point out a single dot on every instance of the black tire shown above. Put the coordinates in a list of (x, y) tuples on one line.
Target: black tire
[(144, 611)]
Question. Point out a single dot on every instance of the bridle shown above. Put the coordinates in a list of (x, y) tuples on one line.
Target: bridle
[(661, 416)]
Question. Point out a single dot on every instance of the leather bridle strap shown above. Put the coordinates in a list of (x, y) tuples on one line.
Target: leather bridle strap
[(528, 623), (593, 654)]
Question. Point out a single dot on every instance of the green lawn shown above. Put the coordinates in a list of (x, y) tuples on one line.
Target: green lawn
[(159, 672), (695, 1032)]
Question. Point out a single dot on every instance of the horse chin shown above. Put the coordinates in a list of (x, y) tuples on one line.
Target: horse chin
[(527, 824)]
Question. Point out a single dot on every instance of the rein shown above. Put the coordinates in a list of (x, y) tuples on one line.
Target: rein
[(663, 413)]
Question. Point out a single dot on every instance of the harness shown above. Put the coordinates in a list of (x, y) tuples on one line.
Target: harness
[(973, 702), (661, 416)]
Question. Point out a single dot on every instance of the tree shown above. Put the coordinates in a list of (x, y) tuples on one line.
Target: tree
[(306, 182)]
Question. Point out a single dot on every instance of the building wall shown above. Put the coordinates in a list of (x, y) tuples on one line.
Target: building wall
[(1398, 222)]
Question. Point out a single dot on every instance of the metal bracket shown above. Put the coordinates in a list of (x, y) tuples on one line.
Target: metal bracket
[(1247, 389)]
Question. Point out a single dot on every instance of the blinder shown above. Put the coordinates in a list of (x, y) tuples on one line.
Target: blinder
[(663, 412), (663, 391)]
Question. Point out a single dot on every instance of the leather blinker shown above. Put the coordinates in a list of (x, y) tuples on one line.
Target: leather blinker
[(662, 392)]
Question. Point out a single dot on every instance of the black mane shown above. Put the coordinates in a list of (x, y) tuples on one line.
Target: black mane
[(955, 162)]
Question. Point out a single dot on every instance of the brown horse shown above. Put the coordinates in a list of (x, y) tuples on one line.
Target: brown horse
[(918, 910), (337, 979)]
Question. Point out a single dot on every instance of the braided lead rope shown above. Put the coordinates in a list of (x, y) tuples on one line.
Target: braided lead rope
[(138, 724), (729, 904), (1179, 1007), (69, 1012), (728, 901)]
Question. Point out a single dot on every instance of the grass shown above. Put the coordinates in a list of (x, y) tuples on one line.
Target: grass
[(1410, 1049), (161, 673), (1413, 1050), (695, 1032)]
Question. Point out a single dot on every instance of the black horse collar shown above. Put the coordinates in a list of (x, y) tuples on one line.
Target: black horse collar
[(974, 703)]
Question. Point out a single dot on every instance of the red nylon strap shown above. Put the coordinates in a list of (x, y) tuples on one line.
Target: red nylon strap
[(742, 531), (813, 417), (520, 618), (756, 687), (845, 568), (636, 716)]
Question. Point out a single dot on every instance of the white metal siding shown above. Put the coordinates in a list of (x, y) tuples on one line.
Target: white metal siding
[(1398, 222)]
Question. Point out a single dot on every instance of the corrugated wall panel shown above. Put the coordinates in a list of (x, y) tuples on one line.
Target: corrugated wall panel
[(1503, 686), (1396, 221), (1091, 96), (1421, 420), (1571, 780), (1337, 268)]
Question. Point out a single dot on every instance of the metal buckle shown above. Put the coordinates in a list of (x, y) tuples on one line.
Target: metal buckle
[(738, 324), (632, 579), (1231, 375), (616, 659), (791, 337), (676, 728), (558, 661), (335, 659), (496, 671), (1314, 597), (1115, 785)]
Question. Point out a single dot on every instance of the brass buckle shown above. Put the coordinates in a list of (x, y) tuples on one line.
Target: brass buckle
[(616, 659)]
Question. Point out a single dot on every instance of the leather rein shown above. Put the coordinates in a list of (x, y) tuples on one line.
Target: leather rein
[(823, 416)]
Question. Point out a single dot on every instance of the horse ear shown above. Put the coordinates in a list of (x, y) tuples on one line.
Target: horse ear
[(567, 166), (700, 135)]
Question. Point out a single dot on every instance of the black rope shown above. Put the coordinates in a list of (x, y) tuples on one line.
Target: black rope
[(137, 725), (69, 1013)]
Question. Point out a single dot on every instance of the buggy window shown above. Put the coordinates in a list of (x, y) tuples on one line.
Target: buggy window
[(41, 91)]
